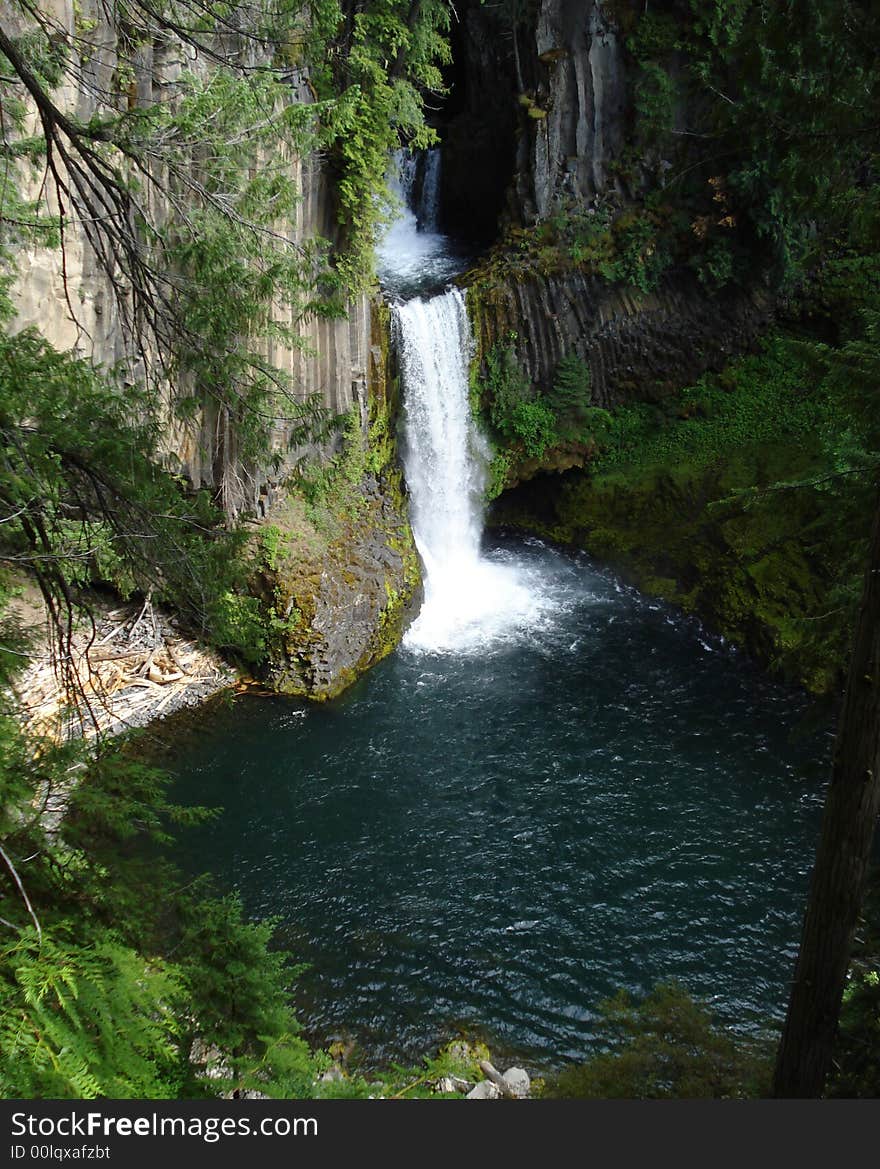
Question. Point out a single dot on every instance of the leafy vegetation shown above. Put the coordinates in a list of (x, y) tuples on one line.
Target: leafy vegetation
[(516, 413), (371, 63), (633, 246), (188, 205), (525, 423), (753, 125), (119, 978), (666, 1046), (86, 500), (181, 203), (570, 399), (115, 972), (743, 498), (856, 1070), (759, 398), (812, 404), (521, 417), (750, 154), (777, 122)]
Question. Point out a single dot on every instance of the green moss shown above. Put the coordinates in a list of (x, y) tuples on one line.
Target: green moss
[(320, 545), (722, 500), (762, 572)]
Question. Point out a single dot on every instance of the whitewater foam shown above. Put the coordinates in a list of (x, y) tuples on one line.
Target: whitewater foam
[(471, 602)]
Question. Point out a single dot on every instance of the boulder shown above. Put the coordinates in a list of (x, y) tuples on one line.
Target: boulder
[(517, 1079), (485, 1090)]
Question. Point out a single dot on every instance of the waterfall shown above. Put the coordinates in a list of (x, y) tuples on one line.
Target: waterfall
[(470, 600), (446, 456), (413, 256), (415, 179), (402, 179), (429, 197)]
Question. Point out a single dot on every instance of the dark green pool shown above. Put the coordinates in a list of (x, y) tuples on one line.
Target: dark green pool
[(597, 797)]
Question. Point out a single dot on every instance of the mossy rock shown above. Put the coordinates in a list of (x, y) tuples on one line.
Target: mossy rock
[(343, 575), (762, 571)]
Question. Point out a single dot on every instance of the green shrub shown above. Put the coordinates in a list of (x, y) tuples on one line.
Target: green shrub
[(570, 395), (765, 397), (534, 424), (857, 1056), (665, 1047), (856, 1069), (517, 414), (640, 253)]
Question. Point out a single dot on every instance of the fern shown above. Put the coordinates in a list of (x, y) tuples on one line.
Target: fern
[(81, 1021)]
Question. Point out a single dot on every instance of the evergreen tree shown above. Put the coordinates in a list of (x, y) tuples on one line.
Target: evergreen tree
[(840, 874)]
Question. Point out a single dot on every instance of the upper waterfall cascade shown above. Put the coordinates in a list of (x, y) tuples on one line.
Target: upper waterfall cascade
[(416, 182), (414, 257), (471, 601)]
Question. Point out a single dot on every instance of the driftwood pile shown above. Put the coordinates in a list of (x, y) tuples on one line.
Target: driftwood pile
[(133, 666)]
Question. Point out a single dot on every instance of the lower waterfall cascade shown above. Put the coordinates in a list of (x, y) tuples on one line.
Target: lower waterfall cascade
[(469, 598), (414, 256)]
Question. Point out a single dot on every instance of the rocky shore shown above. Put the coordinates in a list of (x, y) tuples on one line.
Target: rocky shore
[(131, 664)]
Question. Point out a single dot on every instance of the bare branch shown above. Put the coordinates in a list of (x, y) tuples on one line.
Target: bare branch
[(23, 893)]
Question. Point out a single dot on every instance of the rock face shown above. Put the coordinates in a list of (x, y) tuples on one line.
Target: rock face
[(69, 299), (538, 112), (578, 112), (480, 127), (346, 578), (637, 344), (572, 87), (347, 604)]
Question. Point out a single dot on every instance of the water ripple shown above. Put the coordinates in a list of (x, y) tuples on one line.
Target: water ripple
[(498, 842)]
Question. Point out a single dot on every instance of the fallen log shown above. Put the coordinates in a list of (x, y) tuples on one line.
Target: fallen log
[(491, 1073)]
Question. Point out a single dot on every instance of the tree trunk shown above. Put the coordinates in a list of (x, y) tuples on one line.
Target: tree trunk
[(839, 877)]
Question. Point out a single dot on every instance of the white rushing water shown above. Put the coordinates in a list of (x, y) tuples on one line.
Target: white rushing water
[(470, 601), (413, 255)]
